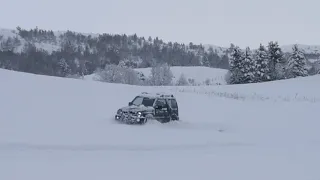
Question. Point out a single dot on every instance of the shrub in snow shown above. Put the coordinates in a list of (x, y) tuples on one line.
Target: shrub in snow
[(130, 77), (211, 81), (131, 62), (207, 82), (182, 81), (161, 75), (141, 76), (227, 77), (297, 64), (192, 81), (110, 74), (116, 74)]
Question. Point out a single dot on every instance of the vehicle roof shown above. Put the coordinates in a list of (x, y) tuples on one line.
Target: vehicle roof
[(157, 95)]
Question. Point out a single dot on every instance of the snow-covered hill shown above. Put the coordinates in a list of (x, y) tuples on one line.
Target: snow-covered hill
[(49, 46), (57, 128), (46, 46)]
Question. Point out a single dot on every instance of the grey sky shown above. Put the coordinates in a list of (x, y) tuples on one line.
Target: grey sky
[(242, 22)]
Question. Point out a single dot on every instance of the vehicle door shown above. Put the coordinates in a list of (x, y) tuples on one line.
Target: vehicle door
[(174, 106), (161, 109)]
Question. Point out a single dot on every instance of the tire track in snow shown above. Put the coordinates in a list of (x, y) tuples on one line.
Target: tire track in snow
[(84, 148)]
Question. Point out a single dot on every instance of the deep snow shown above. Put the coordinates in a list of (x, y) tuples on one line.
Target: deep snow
[(53, 128)]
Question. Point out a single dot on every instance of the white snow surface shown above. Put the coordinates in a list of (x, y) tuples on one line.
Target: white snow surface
[(59, 128), (198, 73)]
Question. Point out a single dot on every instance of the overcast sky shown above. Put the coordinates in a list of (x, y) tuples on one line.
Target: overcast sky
[(218, 22)]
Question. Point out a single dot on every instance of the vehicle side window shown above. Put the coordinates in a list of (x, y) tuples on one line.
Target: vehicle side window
[(147, 102), (160, 102), (173, 103)]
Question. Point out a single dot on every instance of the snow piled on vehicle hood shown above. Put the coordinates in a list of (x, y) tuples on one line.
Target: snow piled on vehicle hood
[(135, 108)]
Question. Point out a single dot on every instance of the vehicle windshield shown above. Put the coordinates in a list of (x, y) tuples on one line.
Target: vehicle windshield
[(143, 101)]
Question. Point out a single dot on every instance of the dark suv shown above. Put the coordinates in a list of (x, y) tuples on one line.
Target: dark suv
[(161, 107)]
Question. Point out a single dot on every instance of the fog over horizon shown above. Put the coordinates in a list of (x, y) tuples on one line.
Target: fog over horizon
[(243, 23)]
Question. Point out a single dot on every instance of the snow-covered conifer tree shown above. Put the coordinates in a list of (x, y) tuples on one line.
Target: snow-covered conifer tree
[(276, 60), (262, 71), (248, 67), (297, 63), (64, 67), (235, 61)]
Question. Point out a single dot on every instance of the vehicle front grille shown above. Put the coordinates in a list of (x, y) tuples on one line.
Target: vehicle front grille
[(129, 113), (132, 113)]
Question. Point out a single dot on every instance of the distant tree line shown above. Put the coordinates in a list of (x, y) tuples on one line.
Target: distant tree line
[(69, 53), (267, 64)]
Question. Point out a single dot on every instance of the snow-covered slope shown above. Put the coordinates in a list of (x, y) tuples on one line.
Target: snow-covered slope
[(8, 33), (5, 33), (57, 128), (198, 73)]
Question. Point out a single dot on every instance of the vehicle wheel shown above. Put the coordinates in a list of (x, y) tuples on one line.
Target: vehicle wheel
[(174, 117), (166, 120), (146, 119)]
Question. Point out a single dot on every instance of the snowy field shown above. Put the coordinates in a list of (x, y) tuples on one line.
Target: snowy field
[(62, 129)]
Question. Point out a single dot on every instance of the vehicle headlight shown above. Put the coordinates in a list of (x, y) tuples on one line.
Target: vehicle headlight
[(139, 113)]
